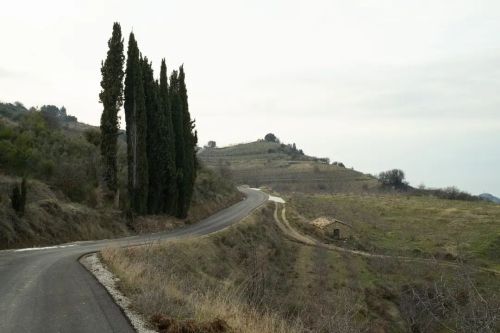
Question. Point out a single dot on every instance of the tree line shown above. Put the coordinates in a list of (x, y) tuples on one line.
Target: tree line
[(161, 137)]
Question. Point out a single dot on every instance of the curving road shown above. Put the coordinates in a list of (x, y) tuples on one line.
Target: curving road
[(47, 290)]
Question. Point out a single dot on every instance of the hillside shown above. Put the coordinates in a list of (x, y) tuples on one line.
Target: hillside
[(490, 197), (60, 159), (343, 254), (284, 169), (253, 277), (51, 218)]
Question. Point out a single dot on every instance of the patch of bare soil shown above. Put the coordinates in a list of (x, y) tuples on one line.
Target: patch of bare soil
[(166, 324), (322, 222)]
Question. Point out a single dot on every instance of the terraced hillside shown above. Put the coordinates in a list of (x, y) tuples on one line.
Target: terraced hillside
[(284, 169)]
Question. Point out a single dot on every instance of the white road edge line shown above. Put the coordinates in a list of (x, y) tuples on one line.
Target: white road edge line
[(44, 248)]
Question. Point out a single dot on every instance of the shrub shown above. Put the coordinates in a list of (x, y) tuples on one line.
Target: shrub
[(93, 136), (393, 178), (270, 137), (455, 304), (67, 162), (18, 197), (453, 193)]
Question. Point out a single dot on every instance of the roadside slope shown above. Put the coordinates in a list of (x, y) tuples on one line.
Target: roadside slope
[(67, 297), (256, 279)]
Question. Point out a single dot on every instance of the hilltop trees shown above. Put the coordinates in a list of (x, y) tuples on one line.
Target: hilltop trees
[(270, 137), (393, 178), (161, 140), (111, 97)]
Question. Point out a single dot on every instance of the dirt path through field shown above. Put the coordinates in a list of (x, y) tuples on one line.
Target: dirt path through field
[(295, 235)]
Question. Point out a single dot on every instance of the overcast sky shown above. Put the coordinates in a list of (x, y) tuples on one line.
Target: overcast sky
[(375, 84)]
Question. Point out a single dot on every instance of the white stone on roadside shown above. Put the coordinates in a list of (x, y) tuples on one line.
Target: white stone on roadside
[(108, 280)]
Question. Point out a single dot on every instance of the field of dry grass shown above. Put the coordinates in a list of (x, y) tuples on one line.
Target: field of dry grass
[(254, 279), (248, 275), (409, 225)]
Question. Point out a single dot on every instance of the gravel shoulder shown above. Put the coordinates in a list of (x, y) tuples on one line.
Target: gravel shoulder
[(94, 265)]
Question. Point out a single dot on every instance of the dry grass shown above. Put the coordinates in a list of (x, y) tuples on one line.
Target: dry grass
[(249, 276), (416, 297), (409, 225), (51, 218), (184, 280), (255, 280)]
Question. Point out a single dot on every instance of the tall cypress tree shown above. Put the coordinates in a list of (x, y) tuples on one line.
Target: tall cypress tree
[(111, 97), (136, 119), (177, 122), (189, 146), (167, 135), (153, 138)]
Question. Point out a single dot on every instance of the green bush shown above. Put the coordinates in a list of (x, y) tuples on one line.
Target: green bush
[(66, 161), (393, 178), (93, 136)]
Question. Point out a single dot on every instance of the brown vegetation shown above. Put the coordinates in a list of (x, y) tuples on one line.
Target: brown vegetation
[(169, 325), (247, 275), (52, 218)]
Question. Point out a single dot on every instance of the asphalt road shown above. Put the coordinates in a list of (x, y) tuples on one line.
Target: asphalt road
[(48, 290)]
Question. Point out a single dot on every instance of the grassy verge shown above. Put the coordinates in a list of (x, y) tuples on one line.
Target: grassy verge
[(223, 276), (249, 276)]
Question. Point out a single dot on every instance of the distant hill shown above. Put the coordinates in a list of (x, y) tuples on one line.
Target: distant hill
[(284, 168), (489, 197)]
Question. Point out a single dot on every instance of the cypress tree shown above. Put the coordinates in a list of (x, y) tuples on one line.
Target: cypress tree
[(168, 151), (177, 122), (16, 200), (111, 97), (153, 138), (24, 191), (189, 146), (136, 119), (18, 197)]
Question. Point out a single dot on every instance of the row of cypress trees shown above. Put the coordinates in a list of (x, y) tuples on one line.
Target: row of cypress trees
[(161, 140)]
